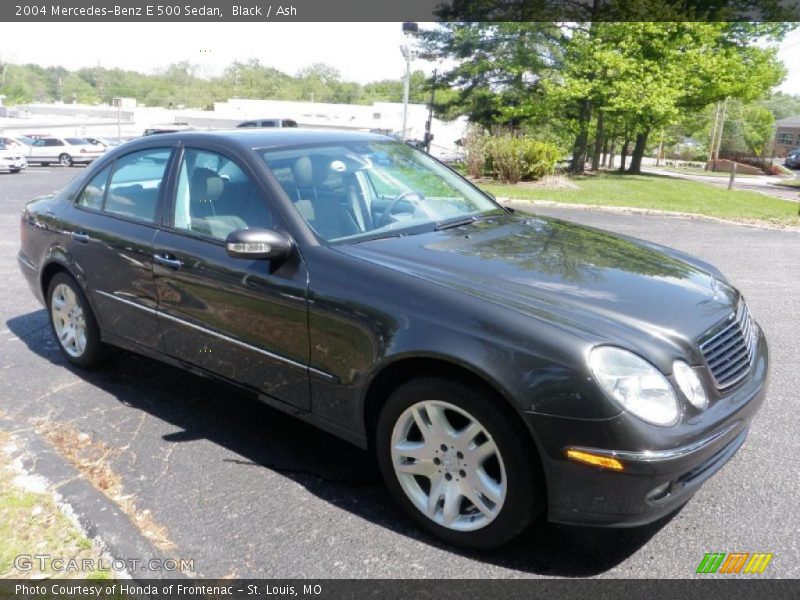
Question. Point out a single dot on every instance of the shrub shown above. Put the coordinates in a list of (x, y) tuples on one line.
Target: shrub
[(518, 158), (475, 147)]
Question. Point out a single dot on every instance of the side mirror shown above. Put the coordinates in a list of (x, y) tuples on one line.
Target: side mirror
[(258, 243)]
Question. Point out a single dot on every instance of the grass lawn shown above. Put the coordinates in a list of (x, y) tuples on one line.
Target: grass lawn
[(795, 183), (31, 523), (703, 172), (657, 192)]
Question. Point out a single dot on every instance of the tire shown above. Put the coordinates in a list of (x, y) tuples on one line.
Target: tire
[(45, 164), (508, 483), (15, 170), (69, 311), (65, 160)]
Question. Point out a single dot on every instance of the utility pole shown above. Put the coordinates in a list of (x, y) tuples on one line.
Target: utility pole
[(713, 137), (660, 148), (118, 102), (409, 30), (721, 129), (428, 134)]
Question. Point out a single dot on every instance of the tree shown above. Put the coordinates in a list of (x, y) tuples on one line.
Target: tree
[(647, 73), (499, 68)]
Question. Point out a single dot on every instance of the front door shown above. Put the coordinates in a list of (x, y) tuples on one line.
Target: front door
[(119, 209), (243, 319)]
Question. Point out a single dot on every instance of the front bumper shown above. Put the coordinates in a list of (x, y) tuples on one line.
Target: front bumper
[(655, 481), (13, 165)]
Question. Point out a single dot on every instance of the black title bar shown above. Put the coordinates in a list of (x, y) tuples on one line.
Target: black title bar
[(397, 10)]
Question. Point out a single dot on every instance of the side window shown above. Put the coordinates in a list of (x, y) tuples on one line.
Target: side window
[(93, 194), (135, 183), (215, 197)]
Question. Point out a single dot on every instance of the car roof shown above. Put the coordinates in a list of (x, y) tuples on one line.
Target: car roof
[(271, 138)]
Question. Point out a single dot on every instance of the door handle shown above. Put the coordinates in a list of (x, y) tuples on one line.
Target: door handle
[(80, 236), (167, 261)]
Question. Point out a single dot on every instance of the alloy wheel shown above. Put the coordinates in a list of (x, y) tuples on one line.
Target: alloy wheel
[(448, 465), (69, 321)]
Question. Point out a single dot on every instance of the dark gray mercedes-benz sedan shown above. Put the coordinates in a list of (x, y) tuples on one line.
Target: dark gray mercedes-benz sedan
[(500, 365)]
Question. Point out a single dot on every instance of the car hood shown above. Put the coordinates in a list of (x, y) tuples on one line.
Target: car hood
[(601, 286)]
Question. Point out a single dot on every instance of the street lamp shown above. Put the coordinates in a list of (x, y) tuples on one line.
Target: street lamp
[(410, 30)]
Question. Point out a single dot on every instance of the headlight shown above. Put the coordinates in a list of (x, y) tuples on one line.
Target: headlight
[(636, 384), (690, 384)]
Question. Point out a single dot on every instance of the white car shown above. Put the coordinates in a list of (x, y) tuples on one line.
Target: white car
[(65, 151), (12, 159)]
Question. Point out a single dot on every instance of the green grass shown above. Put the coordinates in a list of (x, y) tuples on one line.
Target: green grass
[(794, 183), (702, 172), (660, 193), (31, 523)]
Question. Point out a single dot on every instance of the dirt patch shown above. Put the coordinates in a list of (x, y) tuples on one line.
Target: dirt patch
[(549, 182), (91, 458)]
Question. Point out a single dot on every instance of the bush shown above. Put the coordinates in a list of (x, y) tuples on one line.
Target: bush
[(518, 158), (475, 147)]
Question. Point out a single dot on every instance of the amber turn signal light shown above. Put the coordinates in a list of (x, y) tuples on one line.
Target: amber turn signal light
[(588, 458)]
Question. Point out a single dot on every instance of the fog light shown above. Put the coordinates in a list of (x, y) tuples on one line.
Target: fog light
[(604, 462), (690, 384)]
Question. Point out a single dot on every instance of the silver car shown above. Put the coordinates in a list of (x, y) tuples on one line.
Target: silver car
[(65, 151), (12, 158)]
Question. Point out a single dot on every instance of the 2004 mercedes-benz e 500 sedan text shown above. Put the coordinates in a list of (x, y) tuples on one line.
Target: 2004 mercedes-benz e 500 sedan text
[(500, 365)]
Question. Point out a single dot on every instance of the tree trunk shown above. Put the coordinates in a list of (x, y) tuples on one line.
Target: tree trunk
[(598, 142), (611, 151), (578, 163), (638, 152), (623, 154), (604, 162)]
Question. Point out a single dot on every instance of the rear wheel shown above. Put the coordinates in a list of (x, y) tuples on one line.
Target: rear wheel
[(457, 464), (65, 160), (15, 170), (73, 322)]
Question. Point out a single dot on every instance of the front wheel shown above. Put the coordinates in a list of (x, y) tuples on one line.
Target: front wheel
[(15, 170), (65, 160), (457, 464), (73, 322)]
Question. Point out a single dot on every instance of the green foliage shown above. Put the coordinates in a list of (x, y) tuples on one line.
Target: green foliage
[(184, 84), (498, 68), (517, 158), (476, 147)]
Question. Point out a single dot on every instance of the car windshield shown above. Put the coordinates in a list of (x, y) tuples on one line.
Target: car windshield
[(356, 190)]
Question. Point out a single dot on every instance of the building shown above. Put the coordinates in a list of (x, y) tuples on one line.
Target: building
[(787, 135), (130, 120)]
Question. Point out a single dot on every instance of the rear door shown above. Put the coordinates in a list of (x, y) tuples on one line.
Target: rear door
[(243, 319), (114, 222)]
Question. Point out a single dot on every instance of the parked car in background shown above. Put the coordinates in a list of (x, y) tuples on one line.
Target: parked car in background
[(65, 151), (793, 159), (500, 365), (21, 143), (268, 123), (105, 143), (12, 157), (167, 128)]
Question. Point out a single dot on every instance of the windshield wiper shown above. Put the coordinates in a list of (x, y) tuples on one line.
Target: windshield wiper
[(458, 222)]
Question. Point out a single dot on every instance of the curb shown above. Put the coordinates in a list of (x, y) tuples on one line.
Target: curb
[(99, 518), (652, 212)]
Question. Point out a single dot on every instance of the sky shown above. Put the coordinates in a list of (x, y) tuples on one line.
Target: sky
[(362, 52)]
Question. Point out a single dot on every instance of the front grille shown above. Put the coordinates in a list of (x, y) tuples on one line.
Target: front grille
[(730, 348)]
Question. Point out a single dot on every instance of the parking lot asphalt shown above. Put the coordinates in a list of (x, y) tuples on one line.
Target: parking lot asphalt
[(247, 491)]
